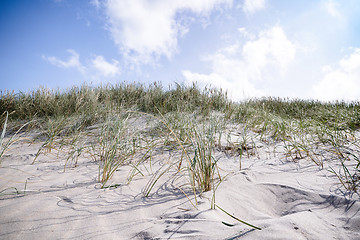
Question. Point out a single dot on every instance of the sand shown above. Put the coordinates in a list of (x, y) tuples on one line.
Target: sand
[(287, 199)]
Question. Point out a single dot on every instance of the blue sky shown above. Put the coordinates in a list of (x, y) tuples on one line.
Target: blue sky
[(307, 49)]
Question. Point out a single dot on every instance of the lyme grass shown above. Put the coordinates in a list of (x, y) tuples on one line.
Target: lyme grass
[(53, 128), (197, 139), (135, 166), (111, 137), (113, 147), (77, 147), (6, 144), (92, 100), (203, 164)]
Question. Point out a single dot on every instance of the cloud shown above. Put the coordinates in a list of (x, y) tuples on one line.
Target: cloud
[(105, 68), (72, 62), (145, 30), (240, 69), (238, 88), (98, 65), (340, 82), (252, 6), (272, 48), (332, 8), (246, 34)]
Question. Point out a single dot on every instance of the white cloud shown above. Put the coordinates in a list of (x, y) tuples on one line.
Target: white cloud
[(246, 34), (241, 68), (352, 63), (237, 88), (252, 6), (97, 67), (340, 82), (145, 30), (332, 8), (105, 68), (272, 47), (72, 62)]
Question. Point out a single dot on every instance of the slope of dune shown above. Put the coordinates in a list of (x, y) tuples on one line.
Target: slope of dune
[(286, 199)]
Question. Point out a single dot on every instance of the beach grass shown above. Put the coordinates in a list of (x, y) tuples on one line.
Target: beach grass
[(5, 143)]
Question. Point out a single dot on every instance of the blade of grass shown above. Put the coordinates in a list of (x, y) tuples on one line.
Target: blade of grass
[(237, 219)]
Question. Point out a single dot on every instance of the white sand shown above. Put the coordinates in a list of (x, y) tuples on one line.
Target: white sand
[(287, 200)]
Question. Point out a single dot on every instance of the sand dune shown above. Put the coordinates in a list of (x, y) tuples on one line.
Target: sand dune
[(287, 200)]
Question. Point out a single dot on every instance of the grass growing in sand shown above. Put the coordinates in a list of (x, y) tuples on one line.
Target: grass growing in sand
[(5, 144), (194, 124)]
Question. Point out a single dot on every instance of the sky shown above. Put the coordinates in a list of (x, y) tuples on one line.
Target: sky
[(306, 49)]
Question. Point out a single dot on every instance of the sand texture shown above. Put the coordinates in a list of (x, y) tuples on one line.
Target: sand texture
[(287, 199)]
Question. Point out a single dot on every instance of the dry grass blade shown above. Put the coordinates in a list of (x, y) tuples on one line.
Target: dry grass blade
[(5, 145), (53, 129), (237, 219), (155, 177)]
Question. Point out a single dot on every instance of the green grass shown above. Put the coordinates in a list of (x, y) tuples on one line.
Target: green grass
[(94, 101)]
